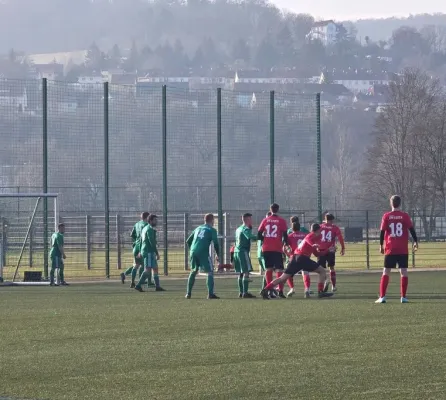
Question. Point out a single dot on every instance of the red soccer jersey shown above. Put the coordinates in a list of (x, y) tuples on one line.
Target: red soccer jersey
[(273, 228), (329, 234), (295, 238), (306, 248), (396, 225)]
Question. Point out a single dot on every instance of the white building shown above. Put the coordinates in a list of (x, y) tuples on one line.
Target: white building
[(325, 31)]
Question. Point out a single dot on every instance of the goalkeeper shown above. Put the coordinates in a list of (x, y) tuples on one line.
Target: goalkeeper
[(57, 255), (199, 242)]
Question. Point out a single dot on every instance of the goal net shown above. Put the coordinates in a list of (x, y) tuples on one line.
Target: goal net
[(27, 221)]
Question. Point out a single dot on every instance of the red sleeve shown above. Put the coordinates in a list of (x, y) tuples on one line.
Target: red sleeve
[(262, 226), (384, 223), (340, 237), (409, 222)]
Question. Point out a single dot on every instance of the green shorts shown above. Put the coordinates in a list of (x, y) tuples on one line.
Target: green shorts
[(57, 262), (262, 264), (150, 261), (242, 262), (201, 262), (136, 252)]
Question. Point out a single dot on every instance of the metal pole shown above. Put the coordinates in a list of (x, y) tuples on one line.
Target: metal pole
[(88, 235), (118, 241), (45, 173), (186, 234), (106, 185), (367, 240), (271, 145), (219, 176), (164, 135), (319, 155)]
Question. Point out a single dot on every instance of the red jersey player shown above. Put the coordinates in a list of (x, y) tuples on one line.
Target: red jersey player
[(273, 234), (329, 233), (302, 261), (295, 238), (395, 228)]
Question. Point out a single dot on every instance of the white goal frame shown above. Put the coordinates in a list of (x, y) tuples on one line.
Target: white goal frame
[(38, 197)]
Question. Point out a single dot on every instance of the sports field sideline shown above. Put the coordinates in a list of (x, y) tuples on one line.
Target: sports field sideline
[(106, 341)]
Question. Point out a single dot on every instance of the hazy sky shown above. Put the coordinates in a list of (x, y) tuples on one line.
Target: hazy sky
[(351, 9)]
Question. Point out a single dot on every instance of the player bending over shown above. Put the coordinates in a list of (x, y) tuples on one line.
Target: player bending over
[(136, 251), (57, 255), (329, 233), (296, 234), (260, 257), (199, 242), (273, 234), (149, 253), (395, 228), (242, 259), (302, 261)]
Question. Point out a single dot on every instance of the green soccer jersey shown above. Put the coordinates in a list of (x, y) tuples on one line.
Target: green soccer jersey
[(243, 237), (201, 238), (136, 232), (148, 240), (259, 249), (56, 243)]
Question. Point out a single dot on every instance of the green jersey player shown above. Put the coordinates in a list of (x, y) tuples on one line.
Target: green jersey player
[(199, 242), (57, 255), (260, 257), (149, 253), (136, 250), (242, 260)]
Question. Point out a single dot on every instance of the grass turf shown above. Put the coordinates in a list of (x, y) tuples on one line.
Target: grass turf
[(431, 254), (105, 341)]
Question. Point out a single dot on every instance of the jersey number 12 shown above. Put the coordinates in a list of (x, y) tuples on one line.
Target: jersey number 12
[(271, 231)]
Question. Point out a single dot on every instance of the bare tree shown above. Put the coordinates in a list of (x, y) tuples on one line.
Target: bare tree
[(405, 157)]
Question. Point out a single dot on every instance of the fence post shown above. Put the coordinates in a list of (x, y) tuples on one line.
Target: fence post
[(164, 135), (319, 155), (88, 238), (106, 184), (118, 241), (271, 145), (367, 241), (227, 243), (186, 248), (45, 173), (4, 242), (31, 236), (219, 176), (411, 240)]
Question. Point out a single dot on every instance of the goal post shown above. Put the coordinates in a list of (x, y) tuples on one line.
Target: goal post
[(22, 216)]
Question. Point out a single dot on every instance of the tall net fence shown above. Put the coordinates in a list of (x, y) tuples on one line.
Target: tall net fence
[(75, 121)]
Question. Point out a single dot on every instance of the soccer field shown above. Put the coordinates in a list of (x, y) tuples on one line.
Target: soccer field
[(106, 341)]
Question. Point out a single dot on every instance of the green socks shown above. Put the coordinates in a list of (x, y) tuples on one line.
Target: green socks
[(61, 275), (190, 282), (156, 278), (210, 284), (245, 284), (128, 271), (141, 270), (142, 279), (134, 271), (52, 274), (240, 283)]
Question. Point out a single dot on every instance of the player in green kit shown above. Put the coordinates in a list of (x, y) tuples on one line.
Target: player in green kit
[(57, 255), (242, 260), (149, 253), (199, 242), (137, 259), (260, 257)]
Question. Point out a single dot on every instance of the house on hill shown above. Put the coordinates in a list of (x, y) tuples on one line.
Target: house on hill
[(325, 31)]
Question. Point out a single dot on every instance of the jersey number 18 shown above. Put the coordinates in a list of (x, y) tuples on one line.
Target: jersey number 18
[(396, 230)]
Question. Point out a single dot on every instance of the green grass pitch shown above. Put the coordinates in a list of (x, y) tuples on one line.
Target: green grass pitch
[(106, 341)]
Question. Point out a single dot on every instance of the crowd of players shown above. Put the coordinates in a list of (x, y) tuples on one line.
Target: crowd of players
[(275, 242)]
